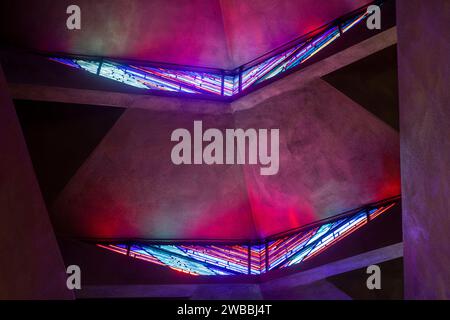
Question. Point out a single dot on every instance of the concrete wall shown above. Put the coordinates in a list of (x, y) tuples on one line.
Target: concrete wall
[(256, 27), (424, 77), (178, 31), (129, 187), (30, 265), (334, 155)]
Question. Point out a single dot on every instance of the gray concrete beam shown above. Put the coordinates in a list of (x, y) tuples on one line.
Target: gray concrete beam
[(334, 268), (116, 99)]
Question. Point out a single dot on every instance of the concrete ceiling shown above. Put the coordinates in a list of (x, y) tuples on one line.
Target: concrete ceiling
[(209, 33), (334, 156)]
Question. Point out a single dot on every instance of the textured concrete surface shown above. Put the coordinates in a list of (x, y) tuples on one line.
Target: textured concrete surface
[(319, 290), (222, 291), (227, 292), (60, 137), (31, 266), (334, 155), (424, 77), (256, 27), (180, 31), (222, 34), (116, 99), (129, 186)]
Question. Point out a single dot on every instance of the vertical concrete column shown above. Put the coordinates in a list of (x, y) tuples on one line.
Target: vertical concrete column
[(31, 266), (424, 82)]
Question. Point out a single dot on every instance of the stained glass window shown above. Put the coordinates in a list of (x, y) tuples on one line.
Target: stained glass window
[(220, 83), (283, 251)]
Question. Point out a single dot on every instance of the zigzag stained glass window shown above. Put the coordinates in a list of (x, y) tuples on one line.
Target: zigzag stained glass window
[(220, 83), (281, 252)]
